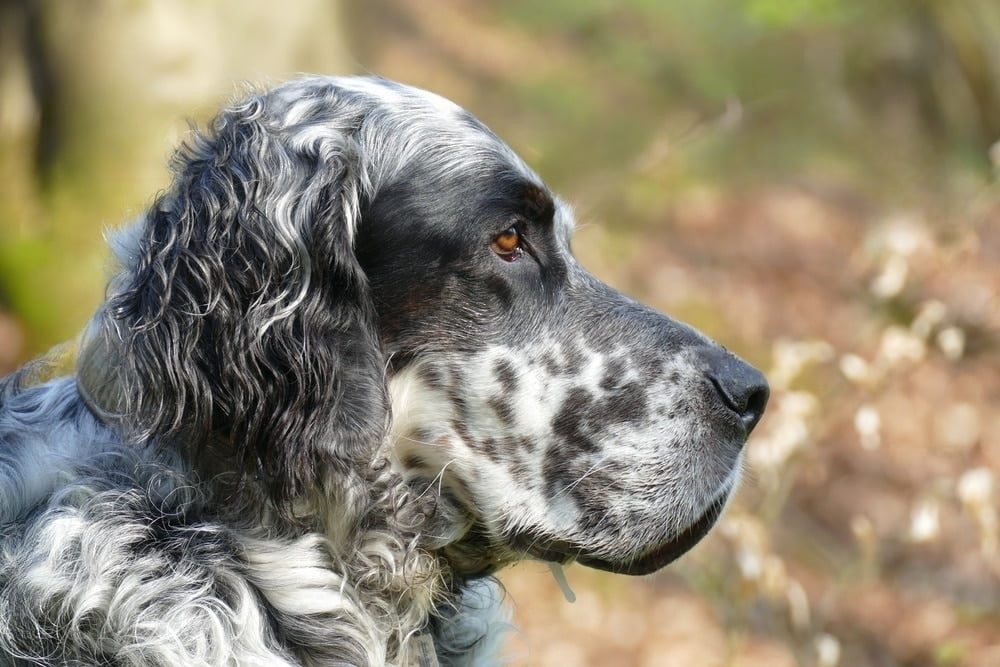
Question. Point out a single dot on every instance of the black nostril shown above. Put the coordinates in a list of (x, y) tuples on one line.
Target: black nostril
[(741, 387), (755, 407)]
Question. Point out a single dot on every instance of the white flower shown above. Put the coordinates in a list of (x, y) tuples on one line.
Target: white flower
[(788, 431), (899, 345), (951, 340), (790, 358), (925, 522), (856, 369), (931, 314), (902, 235), (976, 487), (798, 404), (750, 564), (868, 424), (827, 650), (892, 279)]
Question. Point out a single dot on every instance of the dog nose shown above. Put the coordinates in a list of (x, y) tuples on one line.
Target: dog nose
[(741, 387)]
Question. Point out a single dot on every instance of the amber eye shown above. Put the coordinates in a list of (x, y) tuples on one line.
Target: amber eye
[(508, 244)]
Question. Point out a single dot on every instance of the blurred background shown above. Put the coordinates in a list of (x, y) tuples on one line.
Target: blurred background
[(812, 182)]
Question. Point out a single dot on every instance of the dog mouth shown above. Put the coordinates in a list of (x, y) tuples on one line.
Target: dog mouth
[(561, 551)]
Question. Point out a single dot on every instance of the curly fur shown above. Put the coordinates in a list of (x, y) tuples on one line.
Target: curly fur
[(132, 561), (301, 430)]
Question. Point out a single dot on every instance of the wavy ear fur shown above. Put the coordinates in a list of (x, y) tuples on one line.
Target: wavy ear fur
[(246, 322)]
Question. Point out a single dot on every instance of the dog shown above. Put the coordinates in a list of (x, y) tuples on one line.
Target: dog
[(348, 368)]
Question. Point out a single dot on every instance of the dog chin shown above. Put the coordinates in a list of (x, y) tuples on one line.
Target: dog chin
[(554, 550), (665, 553)]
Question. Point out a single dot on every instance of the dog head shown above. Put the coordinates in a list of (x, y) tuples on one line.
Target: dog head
[(345, 263)]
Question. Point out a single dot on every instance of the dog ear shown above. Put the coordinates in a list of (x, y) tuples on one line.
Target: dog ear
[(245, 320)]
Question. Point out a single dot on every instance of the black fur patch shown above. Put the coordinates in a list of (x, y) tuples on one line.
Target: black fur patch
[(504, 409), (613, 372), (507, 375), (569, 424)]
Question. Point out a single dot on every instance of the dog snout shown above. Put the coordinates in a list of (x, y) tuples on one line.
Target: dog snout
[(740, 387)]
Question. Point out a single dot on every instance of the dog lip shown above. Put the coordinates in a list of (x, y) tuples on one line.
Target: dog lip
[(561, 551)]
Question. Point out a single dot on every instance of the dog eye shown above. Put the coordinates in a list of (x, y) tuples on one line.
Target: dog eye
[(508, 244)]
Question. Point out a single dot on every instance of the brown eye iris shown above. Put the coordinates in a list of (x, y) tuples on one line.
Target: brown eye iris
[(508, 244)]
